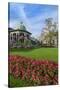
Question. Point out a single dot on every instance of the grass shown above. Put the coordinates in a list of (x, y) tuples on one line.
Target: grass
[(38, 53)]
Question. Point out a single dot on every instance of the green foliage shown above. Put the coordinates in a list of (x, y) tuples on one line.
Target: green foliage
[(51, 37), (19, 83)]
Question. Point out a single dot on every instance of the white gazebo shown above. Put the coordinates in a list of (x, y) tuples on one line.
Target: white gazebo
[(20, 35)]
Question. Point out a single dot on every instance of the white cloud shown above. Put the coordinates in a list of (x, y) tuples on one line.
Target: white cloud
[(33, 24), (24, 17)]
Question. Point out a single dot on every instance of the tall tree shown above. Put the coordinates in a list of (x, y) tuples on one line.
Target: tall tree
[(50, 32)]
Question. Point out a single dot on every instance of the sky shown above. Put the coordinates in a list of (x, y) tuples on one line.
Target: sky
[(32, 15)]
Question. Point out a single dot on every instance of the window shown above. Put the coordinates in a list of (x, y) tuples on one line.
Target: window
[(14, 34), (11, 37), (21, 34), (17, 36), (28, 36)]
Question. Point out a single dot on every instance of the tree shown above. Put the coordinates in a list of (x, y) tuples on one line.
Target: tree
[(50, 32)]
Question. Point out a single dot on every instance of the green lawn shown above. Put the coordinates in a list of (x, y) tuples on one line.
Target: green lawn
[(39, 53)]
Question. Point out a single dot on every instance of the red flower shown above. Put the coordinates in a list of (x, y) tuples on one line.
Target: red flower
[(40, 71)]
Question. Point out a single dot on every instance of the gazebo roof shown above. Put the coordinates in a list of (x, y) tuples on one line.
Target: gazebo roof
[(21, 29)]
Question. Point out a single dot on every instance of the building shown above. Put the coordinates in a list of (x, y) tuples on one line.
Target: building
[(19, 37)]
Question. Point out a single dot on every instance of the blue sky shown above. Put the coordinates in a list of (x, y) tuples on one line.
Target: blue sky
[(32, 15)]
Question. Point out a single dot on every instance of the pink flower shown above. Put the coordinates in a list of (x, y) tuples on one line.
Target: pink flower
[(40, 71)]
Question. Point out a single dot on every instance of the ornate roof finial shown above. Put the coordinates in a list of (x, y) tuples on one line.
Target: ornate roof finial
[(22, 27)]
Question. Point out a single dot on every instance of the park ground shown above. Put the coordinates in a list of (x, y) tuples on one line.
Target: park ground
[(37, 53)]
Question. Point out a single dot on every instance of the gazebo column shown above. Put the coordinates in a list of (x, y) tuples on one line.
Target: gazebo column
[(16, 36), (12, 37), (12, 40)]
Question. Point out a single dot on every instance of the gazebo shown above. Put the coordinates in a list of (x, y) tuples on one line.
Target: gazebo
[(19, 37)]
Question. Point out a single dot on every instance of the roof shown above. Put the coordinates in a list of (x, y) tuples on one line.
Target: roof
[(13, 30), (22, 27), (10, 28)]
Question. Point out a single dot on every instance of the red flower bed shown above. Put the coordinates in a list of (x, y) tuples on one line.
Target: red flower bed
[(40, 72)]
